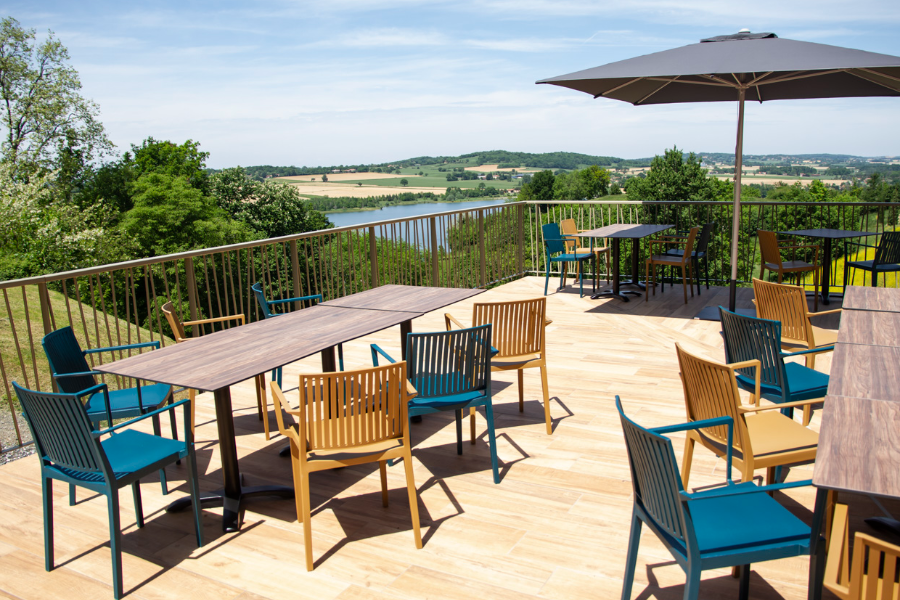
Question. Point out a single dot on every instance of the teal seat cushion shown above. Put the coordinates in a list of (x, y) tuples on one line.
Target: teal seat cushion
[(444, 402), (128, 452), (125, 402), (570, 257), (804, 383)]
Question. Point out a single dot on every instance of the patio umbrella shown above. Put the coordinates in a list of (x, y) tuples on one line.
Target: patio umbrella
[(743, 66)]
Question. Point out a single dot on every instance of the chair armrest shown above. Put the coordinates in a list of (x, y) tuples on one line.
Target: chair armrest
[(810, 351), (740, 490), (376, 351), (126, 347), (796, 403), (238, 317), (152, 413), (700, 425), (61, 375), (411, 390), (757, 365), (316, 297), (448, 319), (548, 322), (824, 312)]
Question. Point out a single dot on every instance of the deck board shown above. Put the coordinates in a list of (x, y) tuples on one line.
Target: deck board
[(555, 527)]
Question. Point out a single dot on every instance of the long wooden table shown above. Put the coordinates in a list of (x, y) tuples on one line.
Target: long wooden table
[(859, 445), (217, 361)]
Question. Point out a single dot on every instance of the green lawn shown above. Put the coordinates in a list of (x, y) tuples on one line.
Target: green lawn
[(433, 181)]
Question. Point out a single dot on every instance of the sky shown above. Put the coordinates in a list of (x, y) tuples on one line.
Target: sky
[(328, 82)]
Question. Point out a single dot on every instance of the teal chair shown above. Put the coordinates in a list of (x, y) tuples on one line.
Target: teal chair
[(265, 306), (72, 374), (750, 338), (734, 525), (451, 370), (71, 451), (555, 246), (886, 259)]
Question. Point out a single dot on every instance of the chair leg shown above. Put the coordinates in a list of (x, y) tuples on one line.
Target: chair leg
[(581, 279), (744, 592), (47, 492), (547, 278), (472, 425), (71, 494), (262, 403), (608, 265), (815, 290), (458, 417), (298, 482), (138, 504), (492, 438), (647, 279), (686, 461), (546, 391), (521, 374), (634, 540), (816, 570), (684, 284), (564, 275), (706, 271), (692, 585), (192, 396), (303, 492), (162, 472), (413, 497), (115, 542), (382, 469), (194, 485)]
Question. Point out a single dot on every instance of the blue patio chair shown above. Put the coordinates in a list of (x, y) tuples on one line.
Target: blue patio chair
[(72, 374), (265, 307), (729, 526), (786, 383), (451, 370), (886, 260), (555, 243), (71, 451)]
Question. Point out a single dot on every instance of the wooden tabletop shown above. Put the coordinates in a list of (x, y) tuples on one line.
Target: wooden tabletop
[(223, 358), (870, 327), (865, 372), (835, 234), (621, 230), (855, 451), (870, 298), (408, 298)]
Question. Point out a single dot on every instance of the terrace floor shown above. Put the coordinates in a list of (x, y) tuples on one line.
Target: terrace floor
[(556, 527)]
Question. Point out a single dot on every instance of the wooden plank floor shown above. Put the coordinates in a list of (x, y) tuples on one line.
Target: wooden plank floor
[(556, 527)]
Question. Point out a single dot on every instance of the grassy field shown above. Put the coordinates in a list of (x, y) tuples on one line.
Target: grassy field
[(435, 180)]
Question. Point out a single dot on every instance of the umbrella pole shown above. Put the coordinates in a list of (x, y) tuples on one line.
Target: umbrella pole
[(736, 219)]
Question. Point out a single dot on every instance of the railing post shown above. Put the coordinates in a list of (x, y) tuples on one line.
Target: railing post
[(295, 268), (481, 248), (44, 296), (435, 271), (373, 257), (191, 282), (521, 231)]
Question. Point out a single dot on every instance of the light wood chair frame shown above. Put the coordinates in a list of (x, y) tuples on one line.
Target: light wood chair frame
[(875, 563), (770, 248), (787, 303), (684, 262), (177, 325), (519, 335), (710, 392), (348, 418), (568, 228)]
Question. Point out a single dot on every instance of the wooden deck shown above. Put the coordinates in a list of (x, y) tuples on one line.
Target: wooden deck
[(556, 527)]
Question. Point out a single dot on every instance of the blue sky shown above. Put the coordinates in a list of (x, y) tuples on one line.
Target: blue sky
[(360, 81)]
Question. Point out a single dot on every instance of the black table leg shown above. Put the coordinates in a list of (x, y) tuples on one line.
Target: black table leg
[(233, 497), (328, 363), (615, 292), (826, 272), (635, 267), (405, 330)]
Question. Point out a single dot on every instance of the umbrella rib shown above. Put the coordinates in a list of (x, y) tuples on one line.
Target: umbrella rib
[(880, 74), (872, 80), (800, 75), (667, 82), (618, 87), (717, 83)]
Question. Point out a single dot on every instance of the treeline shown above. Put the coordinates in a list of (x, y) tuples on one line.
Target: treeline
[(583, 184), (453, 194)]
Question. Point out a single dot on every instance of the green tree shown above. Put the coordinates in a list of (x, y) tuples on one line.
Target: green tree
[(324, 178), (44, 117), (404, 182), (673, 178), (541, 185)]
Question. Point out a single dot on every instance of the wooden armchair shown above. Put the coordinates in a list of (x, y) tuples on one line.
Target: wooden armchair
[(684, 262), (177, 326), (770, 248), (875, 563), (348, 418), (763, 437), (787, 303), (518, 335), (569, 228)]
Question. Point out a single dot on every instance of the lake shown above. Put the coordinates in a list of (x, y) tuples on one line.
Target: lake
[(344, 219)]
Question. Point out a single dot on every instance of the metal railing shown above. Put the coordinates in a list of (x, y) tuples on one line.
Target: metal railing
[(119, 304)]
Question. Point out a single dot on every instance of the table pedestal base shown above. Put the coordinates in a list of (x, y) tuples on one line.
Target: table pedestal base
[(621, 295), (234, 507)]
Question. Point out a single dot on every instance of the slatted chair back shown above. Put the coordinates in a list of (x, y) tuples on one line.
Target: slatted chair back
[(689, 245), (174, 322), (783, 303), (873, 573), (710, 391), (65, 356), (705, 236), (257, 290), (61, 430), (449, 362), (569, 227), (749, 338), (655, 477), (553, 239), (518, 327), (353, 408), (888, 252), (768, 247)]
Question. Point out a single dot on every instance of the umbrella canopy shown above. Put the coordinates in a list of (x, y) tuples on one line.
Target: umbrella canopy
[(744, 66)]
